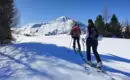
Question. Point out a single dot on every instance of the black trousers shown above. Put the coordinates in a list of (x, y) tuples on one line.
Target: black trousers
[(92, 43), (76, 39)]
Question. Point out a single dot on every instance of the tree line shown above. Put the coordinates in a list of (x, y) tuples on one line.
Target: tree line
[(113, 28)]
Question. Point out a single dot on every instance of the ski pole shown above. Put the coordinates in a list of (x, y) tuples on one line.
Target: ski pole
[(83, 44), (70, 42)]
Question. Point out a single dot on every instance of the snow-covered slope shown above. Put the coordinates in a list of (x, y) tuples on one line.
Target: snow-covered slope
[(50, 58), (61, 25)]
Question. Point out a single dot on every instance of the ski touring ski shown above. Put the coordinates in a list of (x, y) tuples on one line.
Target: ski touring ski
[(92, 68)]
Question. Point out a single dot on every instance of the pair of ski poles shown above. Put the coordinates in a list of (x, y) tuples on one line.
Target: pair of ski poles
[(83, 41)]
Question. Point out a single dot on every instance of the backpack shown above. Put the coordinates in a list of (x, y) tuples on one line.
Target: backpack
[(75, 32), (93, 33)]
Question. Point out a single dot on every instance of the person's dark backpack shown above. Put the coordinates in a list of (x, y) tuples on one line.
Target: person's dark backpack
[(94, 32)]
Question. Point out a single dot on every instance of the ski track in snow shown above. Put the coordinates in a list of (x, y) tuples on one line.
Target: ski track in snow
[(50, 58)]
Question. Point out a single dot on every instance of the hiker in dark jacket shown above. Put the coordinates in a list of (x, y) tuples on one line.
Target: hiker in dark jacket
[(92, 41), (75, 34)]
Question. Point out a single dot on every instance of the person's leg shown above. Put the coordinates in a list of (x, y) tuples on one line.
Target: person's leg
[(78, 42), (94, 47), (88, 50), (74, 40)]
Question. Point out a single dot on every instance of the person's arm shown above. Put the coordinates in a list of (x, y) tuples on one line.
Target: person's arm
[(80, 31), (87, 33), (97, 33), (71, 32), (84, 38)]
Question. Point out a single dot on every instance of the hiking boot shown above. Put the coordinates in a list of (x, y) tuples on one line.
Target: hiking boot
[(73, 47), (89, 63), (99, 64)]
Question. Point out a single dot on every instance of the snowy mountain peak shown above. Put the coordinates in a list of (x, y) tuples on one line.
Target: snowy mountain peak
[(62, 18)]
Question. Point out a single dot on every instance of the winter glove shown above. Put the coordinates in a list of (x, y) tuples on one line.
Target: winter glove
[(100, 38)]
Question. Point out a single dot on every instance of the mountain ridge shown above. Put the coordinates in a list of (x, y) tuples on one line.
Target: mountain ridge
[(60, 25)]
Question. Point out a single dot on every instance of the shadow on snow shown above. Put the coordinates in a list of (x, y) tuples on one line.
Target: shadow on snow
[(65, 54)]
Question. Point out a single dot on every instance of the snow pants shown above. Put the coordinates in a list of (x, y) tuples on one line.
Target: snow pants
[(92, 43)]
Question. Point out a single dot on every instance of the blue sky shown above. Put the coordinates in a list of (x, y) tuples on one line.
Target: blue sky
[(81, 10)]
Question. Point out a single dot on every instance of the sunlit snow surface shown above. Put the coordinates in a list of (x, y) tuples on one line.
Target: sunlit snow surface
[(50, 58)]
